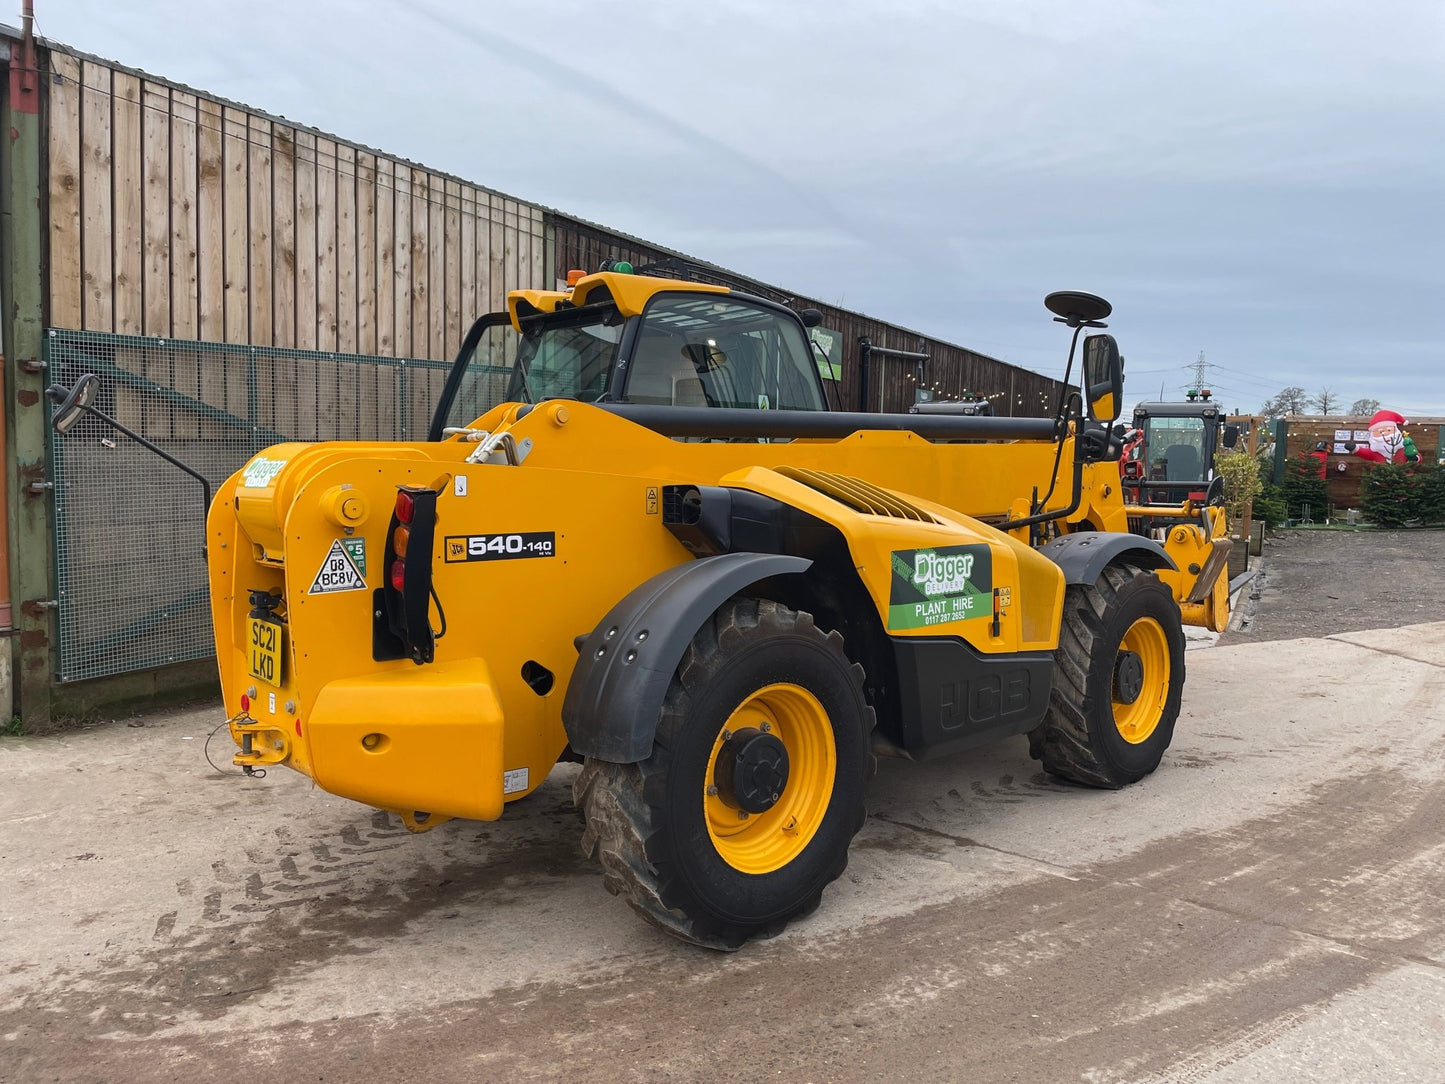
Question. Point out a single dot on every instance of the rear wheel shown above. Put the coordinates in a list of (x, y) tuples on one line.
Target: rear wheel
[(745, 808), (1118, 679)]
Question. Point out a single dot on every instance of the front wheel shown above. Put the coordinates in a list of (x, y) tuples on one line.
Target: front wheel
[(1118, 680), (745, 808)]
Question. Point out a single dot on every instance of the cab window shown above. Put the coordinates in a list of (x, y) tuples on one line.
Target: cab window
[(567, 354), (1176, 449), (716, 351)]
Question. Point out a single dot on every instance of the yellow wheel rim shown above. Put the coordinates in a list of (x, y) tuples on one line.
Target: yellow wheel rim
[(1138, 720), (768, 841)]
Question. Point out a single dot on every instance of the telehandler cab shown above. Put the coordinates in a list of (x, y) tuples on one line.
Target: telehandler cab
[(648, 546)]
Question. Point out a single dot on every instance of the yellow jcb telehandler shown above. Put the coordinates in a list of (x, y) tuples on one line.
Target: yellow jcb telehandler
[(646, 544)]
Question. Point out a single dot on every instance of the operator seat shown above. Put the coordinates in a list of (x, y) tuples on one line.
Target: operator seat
[(1182, 463), (662, 376)]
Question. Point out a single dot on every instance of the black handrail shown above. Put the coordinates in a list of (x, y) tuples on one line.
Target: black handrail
[(674, 421)]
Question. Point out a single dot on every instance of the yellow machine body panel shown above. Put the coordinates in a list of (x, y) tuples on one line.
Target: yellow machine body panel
[(468, 732), (876, 541)]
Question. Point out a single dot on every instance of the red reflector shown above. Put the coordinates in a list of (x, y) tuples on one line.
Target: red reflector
[(298, 728), (398, 574), (405, 506), (245, 702)]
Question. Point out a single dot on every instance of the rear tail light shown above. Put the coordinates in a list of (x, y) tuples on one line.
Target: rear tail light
[(403, 622)]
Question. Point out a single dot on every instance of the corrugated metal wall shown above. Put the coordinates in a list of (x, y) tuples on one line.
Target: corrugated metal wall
[(1016, 392), (179, 215)]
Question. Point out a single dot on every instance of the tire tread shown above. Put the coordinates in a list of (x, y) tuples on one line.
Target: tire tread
[(1064, 742), (622, 804)]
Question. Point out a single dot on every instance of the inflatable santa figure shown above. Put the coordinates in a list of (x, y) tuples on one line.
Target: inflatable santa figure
[(1389, 443)]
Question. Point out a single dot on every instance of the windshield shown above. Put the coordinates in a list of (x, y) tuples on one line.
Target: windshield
[(567, 355), (714, 351), (1176, 449)]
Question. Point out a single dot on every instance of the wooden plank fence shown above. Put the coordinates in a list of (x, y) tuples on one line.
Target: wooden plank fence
[(177, 215)]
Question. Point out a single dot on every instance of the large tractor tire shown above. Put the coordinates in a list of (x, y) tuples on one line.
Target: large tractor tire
[(745, 809), (1118, 676)]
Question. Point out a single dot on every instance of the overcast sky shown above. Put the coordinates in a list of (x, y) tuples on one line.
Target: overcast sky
[(1263, 182)]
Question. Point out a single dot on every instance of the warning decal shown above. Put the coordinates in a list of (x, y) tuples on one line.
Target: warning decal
[(338, 573)]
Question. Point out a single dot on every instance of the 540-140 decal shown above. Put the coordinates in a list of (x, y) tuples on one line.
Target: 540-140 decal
[(500, 547)]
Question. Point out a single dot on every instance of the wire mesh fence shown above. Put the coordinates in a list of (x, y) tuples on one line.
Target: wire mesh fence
[(129, 527)]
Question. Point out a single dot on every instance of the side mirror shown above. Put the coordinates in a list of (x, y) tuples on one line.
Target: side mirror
[(1231, 435), (811, 317), (1103, 378), (71, 403)]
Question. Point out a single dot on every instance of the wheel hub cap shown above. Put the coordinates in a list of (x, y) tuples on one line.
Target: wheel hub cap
[(752, 771), (1128, 677)]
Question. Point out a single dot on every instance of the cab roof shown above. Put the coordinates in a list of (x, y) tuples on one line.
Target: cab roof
[(630, 293), (1203, 408)]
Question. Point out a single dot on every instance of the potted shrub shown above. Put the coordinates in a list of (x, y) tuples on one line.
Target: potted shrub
[(1242, 484)]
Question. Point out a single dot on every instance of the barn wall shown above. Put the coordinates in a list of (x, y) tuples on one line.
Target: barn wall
[(179, 215)]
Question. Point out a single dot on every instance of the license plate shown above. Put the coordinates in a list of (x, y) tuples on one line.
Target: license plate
[(264, 650)]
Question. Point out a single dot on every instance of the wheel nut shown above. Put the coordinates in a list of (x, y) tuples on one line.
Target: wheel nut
[(742, 814), (712, 790), (766, 728)]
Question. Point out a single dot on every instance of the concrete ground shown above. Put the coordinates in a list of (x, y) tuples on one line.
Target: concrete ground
[(1318, 582), (1265, 907)]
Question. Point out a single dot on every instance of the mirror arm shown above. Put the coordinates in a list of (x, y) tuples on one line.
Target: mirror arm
[(1068, 371), (1062, 513)]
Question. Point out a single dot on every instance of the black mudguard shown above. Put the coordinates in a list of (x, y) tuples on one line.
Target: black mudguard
[(1083, 555), (627, 662)]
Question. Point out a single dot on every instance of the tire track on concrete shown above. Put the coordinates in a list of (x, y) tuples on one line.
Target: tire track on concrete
[(1192, 942)]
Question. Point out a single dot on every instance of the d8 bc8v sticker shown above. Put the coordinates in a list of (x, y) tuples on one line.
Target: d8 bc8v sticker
[(500, 547)]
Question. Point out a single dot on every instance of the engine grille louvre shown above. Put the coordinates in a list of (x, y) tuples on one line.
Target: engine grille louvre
[(857, 494)]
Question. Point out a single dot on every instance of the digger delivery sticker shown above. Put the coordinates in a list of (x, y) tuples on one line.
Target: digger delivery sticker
[(935, 586)]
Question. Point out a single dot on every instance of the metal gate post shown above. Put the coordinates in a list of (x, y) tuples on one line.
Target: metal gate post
[(22, 206)]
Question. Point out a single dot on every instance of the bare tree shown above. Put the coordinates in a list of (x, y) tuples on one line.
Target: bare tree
[(1327, 401), (1291, 400), (1364, 407)]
